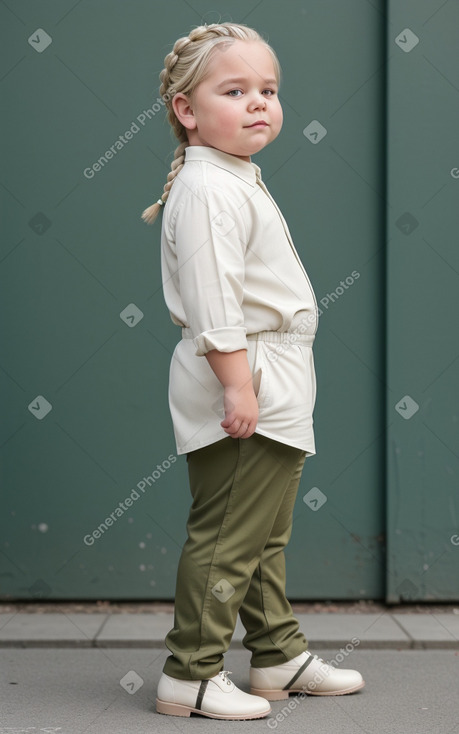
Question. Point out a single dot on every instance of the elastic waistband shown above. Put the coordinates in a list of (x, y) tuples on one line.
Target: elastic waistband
[(277, 337), (280, 337)]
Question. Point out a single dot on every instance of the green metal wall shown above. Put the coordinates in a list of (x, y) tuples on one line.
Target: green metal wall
[(422, 302), (87, 340)]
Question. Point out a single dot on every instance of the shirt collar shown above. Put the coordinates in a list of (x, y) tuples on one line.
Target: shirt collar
[(246, 170)]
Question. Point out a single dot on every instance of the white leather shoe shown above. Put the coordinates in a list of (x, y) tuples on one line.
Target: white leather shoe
[(217, 698), (305, 673)]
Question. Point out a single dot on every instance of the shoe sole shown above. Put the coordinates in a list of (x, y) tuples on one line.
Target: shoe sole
[(280, 695), (178, 709)]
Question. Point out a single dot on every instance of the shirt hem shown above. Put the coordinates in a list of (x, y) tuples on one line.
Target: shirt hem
[(296, 444), (310, 451)]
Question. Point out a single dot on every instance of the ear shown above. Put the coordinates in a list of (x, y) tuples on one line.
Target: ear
[(182, 108)]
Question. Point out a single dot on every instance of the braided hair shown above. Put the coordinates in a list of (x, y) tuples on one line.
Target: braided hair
[(184, 68)]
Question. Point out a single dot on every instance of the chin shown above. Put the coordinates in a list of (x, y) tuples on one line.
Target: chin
[(256, 150)]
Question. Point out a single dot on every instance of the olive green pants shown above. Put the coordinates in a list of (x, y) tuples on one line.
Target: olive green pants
[(240, 521)]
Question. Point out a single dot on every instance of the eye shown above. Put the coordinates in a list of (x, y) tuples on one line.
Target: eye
[(233, 90), (271, 91)]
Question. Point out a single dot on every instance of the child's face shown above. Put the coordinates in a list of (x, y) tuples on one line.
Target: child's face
[(222, 112)]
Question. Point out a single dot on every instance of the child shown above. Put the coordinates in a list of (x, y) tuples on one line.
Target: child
[(242, 384)]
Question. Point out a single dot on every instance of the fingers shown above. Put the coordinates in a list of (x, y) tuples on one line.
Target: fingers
[(241, 412), (250, 430), (239, 428)]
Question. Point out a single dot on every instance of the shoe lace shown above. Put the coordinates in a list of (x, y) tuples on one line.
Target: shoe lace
[(224, 676), (319, 660), (316, 657)]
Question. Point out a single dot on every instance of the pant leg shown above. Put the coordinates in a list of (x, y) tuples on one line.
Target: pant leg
[(273, 634), (238, 487)]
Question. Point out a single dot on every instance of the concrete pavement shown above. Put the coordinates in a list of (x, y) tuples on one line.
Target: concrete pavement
[(79, 692), (325, 631), (77, 673)]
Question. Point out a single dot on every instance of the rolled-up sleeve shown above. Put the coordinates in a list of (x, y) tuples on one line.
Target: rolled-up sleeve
[(211, 243)]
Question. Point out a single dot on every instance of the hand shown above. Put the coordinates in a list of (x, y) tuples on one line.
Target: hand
[(241, 411), (240, 402)]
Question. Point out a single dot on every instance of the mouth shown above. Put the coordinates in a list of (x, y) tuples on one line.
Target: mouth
[(259, 123)]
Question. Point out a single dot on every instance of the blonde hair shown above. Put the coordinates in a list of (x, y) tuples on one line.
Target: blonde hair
[(185, 67)]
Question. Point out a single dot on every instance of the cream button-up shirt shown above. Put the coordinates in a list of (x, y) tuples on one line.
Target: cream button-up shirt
[(232, 279)]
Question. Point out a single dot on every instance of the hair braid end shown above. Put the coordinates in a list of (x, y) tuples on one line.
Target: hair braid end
[(151, 212)]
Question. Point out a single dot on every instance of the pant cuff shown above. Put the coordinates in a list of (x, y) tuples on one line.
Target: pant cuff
[(276, 657)]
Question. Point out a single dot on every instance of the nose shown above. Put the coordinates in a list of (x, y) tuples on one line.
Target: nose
[(258, 100)]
